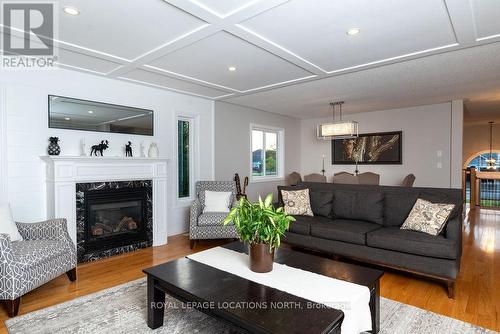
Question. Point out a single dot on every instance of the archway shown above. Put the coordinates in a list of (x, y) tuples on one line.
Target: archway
[(489, 188), (474, 156)]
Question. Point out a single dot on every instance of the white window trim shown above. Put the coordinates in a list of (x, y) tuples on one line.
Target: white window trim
[(280, 154), (194, 166)]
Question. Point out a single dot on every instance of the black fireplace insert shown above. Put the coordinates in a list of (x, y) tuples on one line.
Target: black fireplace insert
[(113, 218)]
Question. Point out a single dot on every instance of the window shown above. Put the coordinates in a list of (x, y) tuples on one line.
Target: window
[(184, 153), (266, 153)]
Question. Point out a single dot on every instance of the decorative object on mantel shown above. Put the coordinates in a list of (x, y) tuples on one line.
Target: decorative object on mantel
[(83, 148), (99, 147), (337, 129), (128, 149), (153, 150), (369, 149), (262, 226), (239, 192), (54, 148), (143, 150)]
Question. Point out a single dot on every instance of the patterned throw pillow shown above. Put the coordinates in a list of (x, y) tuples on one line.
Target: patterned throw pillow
[(428, 217), (297, 202)]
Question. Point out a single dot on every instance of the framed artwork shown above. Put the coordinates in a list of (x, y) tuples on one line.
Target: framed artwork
[(369, 149)]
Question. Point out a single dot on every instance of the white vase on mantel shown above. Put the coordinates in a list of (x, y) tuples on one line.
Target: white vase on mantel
[(153, 151), (83, 148)]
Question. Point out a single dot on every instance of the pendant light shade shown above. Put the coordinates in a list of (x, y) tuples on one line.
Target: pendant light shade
[(337, 129)]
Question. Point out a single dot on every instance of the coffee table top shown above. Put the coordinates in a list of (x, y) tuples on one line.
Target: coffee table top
[(267, 310)]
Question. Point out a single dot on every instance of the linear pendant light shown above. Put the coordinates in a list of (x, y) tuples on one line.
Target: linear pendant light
[(337, 129)]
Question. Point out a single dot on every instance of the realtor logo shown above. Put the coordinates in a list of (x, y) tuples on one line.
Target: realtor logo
[(28, 34)]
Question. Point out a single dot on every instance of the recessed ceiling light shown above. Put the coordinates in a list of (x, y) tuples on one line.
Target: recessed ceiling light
[(71, 10), (353, 31), (90, 111), (67, 118), (231, 68)]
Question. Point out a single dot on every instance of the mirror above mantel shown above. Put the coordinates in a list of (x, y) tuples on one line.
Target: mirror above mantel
[(76, 114)]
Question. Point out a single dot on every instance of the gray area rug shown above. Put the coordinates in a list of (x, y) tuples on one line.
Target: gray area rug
[(122, 309)]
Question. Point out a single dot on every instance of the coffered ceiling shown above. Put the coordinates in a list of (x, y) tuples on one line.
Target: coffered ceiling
[(289, 56)]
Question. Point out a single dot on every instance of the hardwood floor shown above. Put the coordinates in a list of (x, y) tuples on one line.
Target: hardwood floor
[(477, 293)]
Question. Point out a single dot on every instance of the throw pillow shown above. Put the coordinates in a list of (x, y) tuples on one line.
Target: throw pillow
[(428, 217), (7, 223), (281, 188), (217, 201), (297, 202), (321, 203)]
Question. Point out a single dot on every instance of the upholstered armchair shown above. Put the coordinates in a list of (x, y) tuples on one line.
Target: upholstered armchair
[(209, 225), (45, 252)]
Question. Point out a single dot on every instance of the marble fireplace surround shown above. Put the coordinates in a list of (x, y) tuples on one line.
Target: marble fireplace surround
[(64, 172)]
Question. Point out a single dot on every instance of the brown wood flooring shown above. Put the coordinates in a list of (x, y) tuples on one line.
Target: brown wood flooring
[(477, 293)]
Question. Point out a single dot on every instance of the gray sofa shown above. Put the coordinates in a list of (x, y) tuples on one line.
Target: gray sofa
[(362, 222)]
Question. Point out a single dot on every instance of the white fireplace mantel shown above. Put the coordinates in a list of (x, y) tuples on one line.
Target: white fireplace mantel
[(64, 172)]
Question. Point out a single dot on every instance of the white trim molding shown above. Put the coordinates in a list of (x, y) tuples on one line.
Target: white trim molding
[(3, 146), (194, 156), (280, 153), (64, 172)]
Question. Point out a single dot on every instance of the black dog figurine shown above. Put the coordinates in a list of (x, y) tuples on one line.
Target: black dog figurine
[(99, 147), (128, 150)]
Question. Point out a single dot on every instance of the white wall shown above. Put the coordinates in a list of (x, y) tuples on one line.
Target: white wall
[(427, 130), (232, 144), (25, 132), (477, 139)]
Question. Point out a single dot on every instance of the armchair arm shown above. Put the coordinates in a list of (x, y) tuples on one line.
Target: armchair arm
[(5, 259), (194, 213), (52, 229)]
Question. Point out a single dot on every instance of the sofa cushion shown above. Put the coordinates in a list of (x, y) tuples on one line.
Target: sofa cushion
[(397, 207), (321, 203), (211, 218), (352, 231), (393, 238), (302, 224), (357, 205), (30, 253)]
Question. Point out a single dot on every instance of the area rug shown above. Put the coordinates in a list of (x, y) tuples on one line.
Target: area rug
[(122, 309)]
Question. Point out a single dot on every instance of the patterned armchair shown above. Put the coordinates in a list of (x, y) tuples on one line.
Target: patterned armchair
[(209, 225), (45, 252)]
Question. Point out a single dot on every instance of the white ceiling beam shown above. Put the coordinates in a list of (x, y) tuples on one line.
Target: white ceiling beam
[(462, 21)]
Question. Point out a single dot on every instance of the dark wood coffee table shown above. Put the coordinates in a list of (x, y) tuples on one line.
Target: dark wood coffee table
[(216, 292)]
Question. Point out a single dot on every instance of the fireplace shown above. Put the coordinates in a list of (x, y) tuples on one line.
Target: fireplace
[(113, 218)]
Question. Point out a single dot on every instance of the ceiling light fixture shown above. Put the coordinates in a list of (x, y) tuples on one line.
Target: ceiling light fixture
[(337, 129), (491, 162), (67, 118), (231, 68), (71, 10), (353, 31), (90, 111)]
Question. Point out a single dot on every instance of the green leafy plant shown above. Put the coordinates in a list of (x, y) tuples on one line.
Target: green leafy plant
[(259, 222)]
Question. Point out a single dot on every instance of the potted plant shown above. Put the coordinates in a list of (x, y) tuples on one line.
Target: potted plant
[(262, 226)]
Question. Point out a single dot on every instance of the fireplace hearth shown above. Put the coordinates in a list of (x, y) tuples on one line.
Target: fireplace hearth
[(113, 218)]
